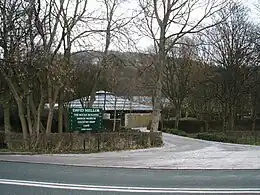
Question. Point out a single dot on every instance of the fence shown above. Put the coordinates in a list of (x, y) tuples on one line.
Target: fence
[(83, 142)]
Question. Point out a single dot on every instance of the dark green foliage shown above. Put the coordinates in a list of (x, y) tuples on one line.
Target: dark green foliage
[(189, 126), (125, 129), (175, 132), (84, 142), (108, 124), (216, 137)]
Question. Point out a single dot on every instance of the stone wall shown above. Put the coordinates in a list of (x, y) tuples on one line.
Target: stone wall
[(133, 120), (84, 142)]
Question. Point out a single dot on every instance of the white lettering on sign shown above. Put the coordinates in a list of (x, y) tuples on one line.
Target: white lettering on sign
[(86, 129), (86, 118), (77, 110), (86, 114), (85, 110), (86, 122)]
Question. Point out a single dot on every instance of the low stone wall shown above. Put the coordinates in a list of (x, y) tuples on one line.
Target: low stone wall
[(84, 142), (133, 120)]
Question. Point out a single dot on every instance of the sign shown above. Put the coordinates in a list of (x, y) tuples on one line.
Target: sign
[(85, 119)]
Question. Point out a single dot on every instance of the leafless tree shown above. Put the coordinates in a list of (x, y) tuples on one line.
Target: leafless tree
[(172, 19), (179, 73), (115, 32), (5, 100), (231, 45), (57, 29), (12, 33)]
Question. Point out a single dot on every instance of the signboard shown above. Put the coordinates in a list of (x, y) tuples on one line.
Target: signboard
[(85, 119)]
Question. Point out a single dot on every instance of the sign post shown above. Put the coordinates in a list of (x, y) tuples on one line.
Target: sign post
[(85, 119)]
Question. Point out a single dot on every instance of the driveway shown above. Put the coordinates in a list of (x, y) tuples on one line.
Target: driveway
[(177, 153)]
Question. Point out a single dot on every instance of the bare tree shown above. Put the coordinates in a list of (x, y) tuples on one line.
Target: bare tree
[(12, 32), (56, 28), (231, 45), (5, 100), (68, 24), (178, 76), (172, 19), (113, 75), (116, 30)]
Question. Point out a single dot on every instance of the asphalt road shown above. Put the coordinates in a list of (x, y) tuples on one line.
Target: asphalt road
[(31, 179)]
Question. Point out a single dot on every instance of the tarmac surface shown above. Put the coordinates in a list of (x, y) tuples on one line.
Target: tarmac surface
[(43, 179)]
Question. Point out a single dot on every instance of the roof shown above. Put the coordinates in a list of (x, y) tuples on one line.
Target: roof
[(110, 101)]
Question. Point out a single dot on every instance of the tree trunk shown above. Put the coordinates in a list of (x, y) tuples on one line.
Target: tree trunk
[(253, 124), (206, 122), (66, 118), (157, 109), (178, 116), (224, 119), (93, 94), (157, 104), (232, 118), (253, 115), (7, 123), (20, 107), (60, 112), (114, 122), (23, 123), (39, 124), (158, 87), (49, 120), (52, 97), (28, 115)]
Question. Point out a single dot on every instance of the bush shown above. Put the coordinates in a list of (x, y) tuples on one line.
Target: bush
[(216, 137), (175, 132), (189, 126), (86, 142)]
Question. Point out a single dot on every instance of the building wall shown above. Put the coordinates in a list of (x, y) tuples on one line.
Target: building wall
[(133, 120)]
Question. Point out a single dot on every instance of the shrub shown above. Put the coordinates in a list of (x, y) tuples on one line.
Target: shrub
[(216, 137), (175, 132), (189, 126)]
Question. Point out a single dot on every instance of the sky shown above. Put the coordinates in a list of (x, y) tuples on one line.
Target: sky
[(141, 41)]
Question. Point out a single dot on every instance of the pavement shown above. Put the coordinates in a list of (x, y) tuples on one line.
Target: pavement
[(177, 153), (43, 179)]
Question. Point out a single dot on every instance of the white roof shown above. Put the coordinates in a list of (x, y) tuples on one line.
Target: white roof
[(110, 101)]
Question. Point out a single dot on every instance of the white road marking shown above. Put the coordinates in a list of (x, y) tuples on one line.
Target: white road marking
[(129, 189)]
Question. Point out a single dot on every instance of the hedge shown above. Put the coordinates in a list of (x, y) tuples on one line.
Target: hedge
[(175, 132), (188, 126), (216, 137), (83, 142)]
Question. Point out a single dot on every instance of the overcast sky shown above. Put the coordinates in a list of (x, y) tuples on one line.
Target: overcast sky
[(141, 41)]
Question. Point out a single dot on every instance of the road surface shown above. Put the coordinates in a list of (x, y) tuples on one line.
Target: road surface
[(31, 179), (177, 153)]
